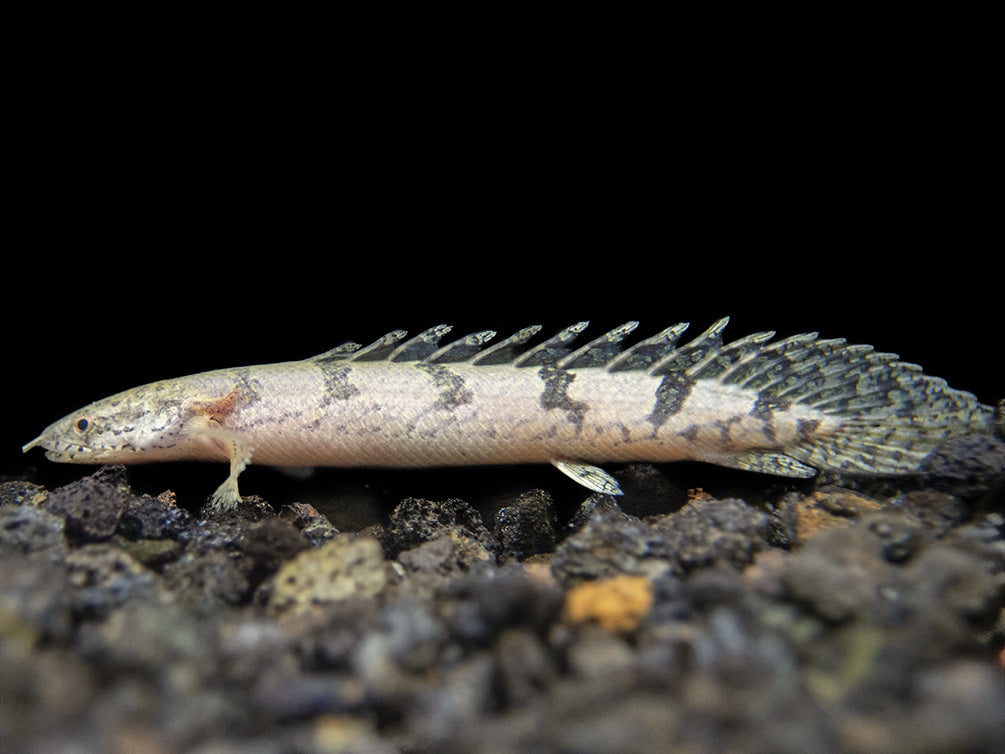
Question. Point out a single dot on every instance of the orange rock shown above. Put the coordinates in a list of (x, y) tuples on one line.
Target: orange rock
[(822, 509), (615, 604), (168, 497)]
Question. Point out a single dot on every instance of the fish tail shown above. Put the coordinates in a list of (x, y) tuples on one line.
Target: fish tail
[(878, 415)]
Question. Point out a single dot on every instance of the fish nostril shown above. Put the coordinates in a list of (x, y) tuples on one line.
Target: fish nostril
[(34, 443)]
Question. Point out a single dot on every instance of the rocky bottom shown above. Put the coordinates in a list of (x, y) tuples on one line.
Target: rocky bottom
[(833, 617)]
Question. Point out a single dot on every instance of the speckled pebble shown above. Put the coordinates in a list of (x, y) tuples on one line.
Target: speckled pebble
[(343, 568)]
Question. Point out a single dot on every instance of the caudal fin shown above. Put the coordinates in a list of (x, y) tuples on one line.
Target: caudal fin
[(889, 415)]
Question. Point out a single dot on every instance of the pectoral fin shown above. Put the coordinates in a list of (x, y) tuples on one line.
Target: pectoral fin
[(208, 427), (591, 477), (227, 495)]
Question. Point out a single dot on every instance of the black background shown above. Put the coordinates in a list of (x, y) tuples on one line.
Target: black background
[(150, 241)]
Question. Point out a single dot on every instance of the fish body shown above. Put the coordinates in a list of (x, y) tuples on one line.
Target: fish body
[(787, 407)]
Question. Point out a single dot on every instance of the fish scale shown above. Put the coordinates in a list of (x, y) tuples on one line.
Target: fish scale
[(788, 407)]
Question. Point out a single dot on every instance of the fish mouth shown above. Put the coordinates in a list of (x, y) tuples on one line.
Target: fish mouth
[(60, 451)]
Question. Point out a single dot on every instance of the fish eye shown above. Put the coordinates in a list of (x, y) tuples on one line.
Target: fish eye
[(82, 424)]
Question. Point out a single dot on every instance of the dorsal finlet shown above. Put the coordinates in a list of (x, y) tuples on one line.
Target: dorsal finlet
[(655, 355), (647, 352), (504, 351), (687, 356), (462, 349), (598, 351), (380, 348), (422, 345), (552, 350), (338, 353)]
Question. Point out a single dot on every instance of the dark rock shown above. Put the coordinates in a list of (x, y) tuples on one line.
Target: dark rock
[(611, 544), (843, 622), (606, 505), (416, 520), (102, 577), (315, 526), (527, 526), (526, 665), (210, 579), (272, 542), (465, 695), (801, 516), (648, 491), (478, 606), (708, 531), (899, 532), (284, 695), (839, 573), (151, 638), (967, 464), (709, 588), (25, 528), (326, 640), (938, 511), (225, 530), (153, 553), (252, 508), (408, 639), (46, 694), (146, 517), (36, 603), (20, 492), (856, 571), (91, 506), (447, 555), (953, 590), (703, 532)]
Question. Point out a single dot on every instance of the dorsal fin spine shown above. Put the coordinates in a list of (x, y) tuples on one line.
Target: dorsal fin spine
[(693, 353), (500, 352), (599, 351), (421, 346), (552, 350)]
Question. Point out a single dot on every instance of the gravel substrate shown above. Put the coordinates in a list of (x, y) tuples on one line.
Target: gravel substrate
[(834, 615)]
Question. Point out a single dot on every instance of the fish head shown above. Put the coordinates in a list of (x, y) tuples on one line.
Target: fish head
[(138, 425)]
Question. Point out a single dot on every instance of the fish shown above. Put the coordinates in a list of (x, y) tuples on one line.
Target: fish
[(789, 407)]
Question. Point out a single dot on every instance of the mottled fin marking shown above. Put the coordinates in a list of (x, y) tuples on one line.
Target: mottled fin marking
[(421, 346), (603, 352), (591, 477), (755, 373), (889, 414), (552, 350), (647, 352), (599, 351), (380, 349), (683, 358), (338, 353), (462, 349), (719, 361), (777, 464), (505, 351)]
